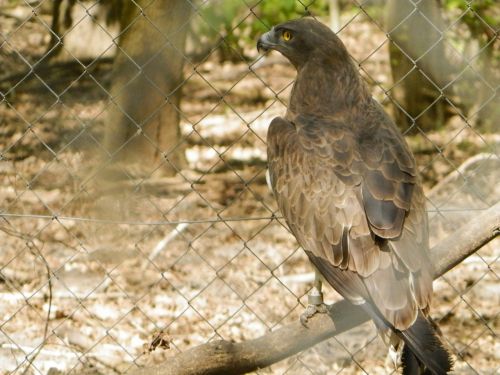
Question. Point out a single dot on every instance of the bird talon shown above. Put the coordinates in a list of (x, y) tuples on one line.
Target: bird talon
[(315, 303), (312, 310)]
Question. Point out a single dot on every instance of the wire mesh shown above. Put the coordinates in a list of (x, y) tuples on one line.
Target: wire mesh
[(108, 263)]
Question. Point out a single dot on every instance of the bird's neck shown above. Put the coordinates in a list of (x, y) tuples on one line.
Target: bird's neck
[(323, 89)]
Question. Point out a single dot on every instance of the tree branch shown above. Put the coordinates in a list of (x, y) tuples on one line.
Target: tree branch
[(223, 357)]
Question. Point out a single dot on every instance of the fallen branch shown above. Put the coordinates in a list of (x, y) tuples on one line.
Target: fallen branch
[(162, 245), (223, 357)]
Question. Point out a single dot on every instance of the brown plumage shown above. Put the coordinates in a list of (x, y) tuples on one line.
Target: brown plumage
[(347, 185)]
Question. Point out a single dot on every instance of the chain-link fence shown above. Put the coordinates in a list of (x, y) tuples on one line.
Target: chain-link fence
[(126, 239)]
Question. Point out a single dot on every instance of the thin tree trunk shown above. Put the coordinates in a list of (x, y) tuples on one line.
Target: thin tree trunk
[(143, 118), (418, 63)]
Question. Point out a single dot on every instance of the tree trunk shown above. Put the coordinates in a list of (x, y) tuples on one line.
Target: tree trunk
[(418, 63), (143, 118)]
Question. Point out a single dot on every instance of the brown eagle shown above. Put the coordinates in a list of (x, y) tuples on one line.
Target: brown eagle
[(347, 185)]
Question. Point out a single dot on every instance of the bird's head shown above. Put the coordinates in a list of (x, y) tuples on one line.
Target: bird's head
[(303, 40)]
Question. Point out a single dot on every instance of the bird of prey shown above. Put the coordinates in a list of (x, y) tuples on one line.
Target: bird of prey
[(347, 185)]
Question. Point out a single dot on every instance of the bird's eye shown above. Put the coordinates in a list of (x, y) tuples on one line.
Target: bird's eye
[(287, 35)]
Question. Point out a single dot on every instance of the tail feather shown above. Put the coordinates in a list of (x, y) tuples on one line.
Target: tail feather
[(423, 345), (423, 352), (411, 364)]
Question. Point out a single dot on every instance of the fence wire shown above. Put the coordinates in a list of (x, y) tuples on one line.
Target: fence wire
[(109, 263)]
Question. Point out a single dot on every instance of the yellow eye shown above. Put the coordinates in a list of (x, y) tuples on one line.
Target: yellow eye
[(287, 35)]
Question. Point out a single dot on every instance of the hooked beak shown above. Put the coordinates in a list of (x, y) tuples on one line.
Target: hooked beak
[(267, 41)]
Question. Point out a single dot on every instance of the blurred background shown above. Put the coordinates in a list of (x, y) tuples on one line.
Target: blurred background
[(133, 201)]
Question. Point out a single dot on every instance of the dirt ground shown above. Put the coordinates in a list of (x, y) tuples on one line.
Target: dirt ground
[(91, 273)]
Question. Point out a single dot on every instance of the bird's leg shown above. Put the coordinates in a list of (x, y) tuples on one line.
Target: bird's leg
[(314, 301)]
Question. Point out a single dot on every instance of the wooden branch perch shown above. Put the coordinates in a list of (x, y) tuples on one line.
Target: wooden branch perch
[(223, 357)]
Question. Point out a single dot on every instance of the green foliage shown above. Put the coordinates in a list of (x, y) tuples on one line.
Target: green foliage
[(239, 22), (275, 12), (480, 16)]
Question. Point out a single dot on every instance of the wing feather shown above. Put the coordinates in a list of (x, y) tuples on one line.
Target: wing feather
[(349, 205)]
